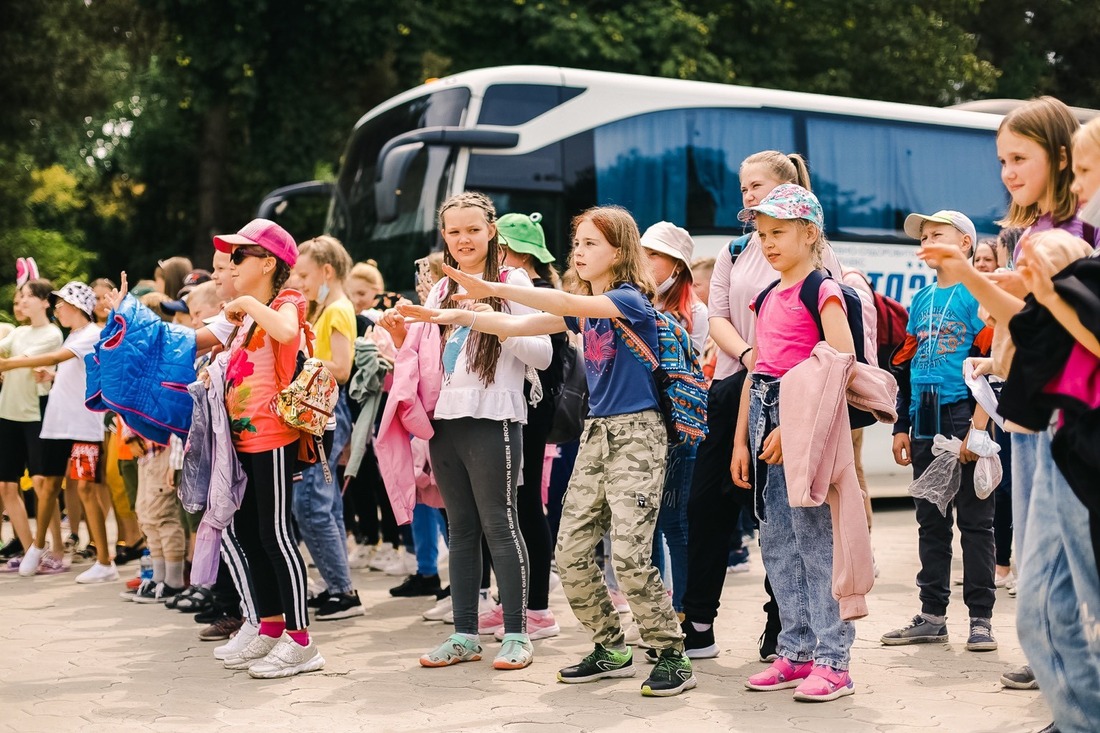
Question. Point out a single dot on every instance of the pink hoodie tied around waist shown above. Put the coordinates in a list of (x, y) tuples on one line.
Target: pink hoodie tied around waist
[(417, 377), (819, 462)]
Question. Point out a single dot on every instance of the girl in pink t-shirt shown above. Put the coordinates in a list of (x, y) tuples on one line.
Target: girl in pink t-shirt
[(814, 646)]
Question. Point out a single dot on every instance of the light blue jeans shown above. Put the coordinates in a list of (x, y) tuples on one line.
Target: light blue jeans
[(427, 525), (796, 544), (319, 511), (1024, 448), (1058, 611), (672, 521)]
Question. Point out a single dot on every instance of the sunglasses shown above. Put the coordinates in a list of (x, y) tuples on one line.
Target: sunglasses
[(238, 255)]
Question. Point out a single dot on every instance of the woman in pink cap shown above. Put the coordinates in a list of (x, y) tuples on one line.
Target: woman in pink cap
[(260, 362)]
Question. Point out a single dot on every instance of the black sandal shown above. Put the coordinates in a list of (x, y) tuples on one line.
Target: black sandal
[(195, 599)]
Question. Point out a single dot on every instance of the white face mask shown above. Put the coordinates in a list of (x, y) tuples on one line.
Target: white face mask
[(667, 284), (322, 293)]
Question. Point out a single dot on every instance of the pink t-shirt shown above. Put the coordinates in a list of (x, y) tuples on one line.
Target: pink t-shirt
[(785, 333)]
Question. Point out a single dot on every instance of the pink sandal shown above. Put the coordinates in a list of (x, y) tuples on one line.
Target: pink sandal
[(824, 684), (781, 675)]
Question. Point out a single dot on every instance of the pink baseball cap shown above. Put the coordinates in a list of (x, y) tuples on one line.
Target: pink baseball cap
[(263, 233)]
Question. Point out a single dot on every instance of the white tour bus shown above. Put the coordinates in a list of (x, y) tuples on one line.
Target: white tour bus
[(558, 141)]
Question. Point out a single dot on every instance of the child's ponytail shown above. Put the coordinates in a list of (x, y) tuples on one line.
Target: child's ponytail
[(790, 168), (802, 171)]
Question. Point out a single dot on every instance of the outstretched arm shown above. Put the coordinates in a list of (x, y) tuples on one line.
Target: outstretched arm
[(1001, 304), (504, 325), (50, 359), (548, 300)]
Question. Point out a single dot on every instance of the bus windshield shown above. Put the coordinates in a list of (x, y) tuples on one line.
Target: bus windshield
[(395, 244)]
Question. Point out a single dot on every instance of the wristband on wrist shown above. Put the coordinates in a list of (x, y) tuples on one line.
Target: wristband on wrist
[(473, 321), (741, 358)]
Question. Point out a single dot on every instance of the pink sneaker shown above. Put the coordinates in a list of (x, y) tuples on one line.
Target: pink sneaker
[(51, 564), (781, 675), (824, 684), (11, 566), (540, 625), (491, 620)]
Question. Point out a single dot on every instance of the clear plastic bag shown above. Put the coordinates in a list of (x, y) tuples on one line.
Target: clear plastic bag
[(941, 480), (987, 472)]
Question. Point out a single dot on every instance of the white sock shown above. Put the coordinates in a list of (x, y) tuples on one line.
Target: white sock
[(173, 573), (158, 569), (700, 627), (938, 620)]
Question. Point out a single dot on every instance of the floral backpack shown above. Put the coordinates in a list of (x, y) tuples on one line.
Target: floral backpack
[(309, 401)]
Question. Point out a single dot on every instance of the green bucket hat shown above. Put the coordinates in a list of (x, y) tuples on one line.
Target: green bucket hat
[(523, 233)]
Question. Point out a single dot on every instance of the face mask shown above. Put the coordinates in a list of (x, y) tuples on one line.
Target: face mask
[(322, 293), (667, 284)]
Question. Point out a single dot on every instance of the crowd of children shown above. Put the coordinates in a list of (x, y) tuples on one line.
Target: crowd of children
[(447, 405)]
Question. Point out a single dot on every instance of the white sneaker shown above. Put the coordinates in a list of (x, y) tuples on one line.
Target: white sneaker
[(360, 558), (239, 641), (28, 566), (402, 565), (449, 617), (286, 659), (440, 610), (255, 650), (98, 573), (313, 587), (383, 557), (1006, 581)]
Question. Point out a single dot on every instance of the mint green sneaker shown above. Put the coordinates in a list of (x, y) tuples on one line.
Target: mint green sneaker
[(670, 676), (457, 648), (600, 664), (516, 652)]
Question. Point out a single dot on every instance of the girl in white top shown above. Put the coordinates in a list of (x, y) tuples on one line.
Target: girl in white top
[(477, 447), (20, 410), (72, 435)]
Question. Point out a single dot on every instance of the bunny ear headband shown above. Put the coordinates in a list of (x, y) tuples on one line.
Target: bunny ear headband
[(26, 269)]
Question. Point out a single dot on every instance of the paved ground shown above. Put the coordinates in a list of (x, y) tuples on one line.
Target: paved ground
[(79, 659)]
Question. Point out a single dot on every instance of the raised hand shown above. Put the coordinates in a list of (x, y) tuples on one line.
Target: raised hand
[(475, 287), (420, 314), (116, 296)]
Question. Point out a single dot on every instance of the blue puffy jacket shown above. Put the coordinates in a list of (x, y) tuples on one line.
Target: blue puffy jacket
[(140, 369)]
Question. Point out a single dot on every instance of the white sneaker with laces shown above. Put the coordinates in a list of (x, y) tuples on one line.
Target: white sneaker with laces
[(439, 611), (360, 558), (286, 659), (29, 565), (402, 565), (239, 641), (256, 649), (98, 573)]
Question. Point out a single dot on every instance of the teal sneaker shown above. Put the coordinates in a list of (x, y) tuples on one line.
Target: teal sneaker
[(600, 664), (455, 649)]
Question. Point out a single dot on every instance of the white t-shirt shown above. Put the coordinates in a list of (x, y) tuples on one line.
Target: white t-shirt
[(220, 327), (66, 416), (19, 394), (463, 394)]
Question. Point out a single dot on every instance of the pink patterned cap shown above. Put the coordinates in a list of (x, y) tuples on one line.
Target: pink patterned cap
[(264, 233), (787, 201)]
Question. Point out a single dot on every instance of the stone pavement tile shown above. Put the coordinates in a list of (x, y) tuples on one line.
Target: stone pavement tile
[(142, 667)]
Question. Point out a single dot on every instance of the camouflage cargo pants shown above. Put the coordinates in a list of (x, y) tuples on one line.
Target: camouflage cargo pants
[(616, 485)]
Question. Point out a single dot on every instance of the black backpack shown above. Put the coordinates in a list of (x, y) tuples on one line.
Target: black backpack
[(570, 399), (808, 294)]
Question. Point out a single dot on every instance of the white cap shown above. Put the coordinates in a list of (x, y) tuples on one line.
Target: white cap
[(669, 239), (914, 222)]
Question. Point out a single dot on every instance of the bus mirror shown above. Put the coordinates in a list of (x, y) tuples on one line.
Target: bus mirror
[(393, 169), (399, 152)]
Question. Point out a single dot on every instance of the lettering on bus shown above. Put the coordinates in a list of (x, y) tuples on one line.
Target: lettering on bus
[(895, 285)]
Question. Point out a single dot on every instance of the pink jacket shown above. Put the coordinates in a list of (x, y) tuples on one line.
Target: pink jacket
[(819, 463), (418, 374)]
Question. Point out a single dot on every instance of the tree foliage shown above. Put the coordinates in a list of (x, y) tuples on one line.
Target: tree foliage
[(134, 129)]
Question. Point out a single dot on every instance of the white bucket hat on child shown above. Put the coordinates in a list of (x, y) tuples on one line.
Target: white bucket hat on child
[(669, 239)]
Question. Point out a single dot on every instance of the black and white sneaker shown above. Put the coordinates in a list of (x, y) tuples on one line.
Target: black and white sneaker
[(697, 644), (671, 675), (156, 593), (341, 605)]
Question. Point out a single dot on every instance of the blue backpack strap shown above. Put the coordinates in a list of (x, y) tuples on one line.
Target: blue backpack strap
[(810, 293), (738, 245), (760, 298)]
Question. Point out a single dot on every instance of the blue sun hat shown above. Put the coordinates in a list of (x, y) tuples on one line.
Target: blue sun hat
[(523, 233), (787, 201)]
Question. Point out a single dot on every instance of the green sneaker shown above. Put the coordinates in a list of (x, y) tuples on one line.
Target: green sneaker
[(670, 676), (457, 648), (600, 664)]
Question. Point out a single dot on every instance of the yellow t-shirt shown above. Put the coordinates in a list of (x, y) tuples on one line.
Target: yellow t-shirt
[(339, 316)]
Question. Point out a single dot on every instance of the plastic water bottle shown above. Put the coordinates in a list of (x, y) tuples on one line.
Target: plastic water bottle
[(146, 567)]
